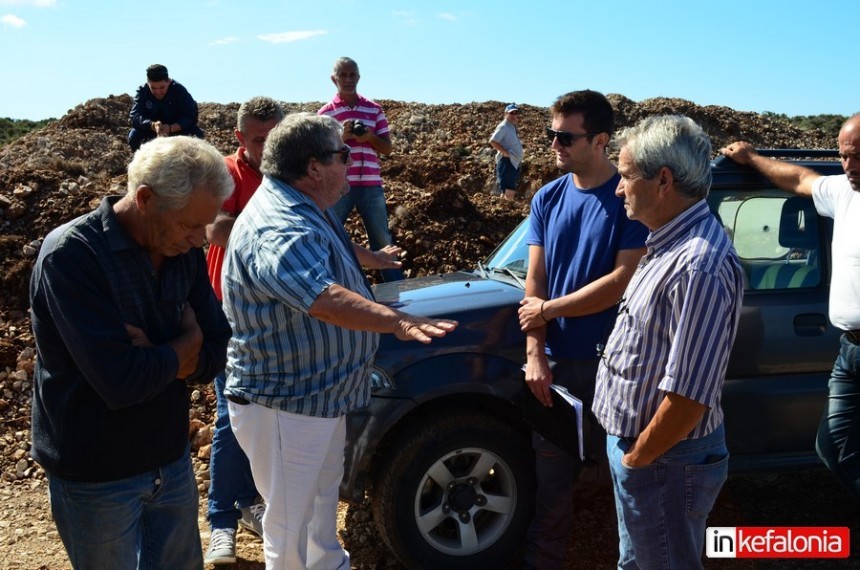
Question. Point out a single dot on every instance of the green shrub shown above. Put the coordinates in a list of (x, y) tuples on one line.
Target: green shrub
[(11, 129)]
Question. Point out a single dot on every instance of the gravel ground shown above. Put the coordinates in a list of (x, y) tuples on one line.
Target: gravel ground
[(805, 498)]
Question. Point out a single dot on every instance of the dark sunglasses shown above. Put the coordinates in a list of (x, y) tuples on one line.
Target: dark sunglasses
[(342, 151), (565, 138)]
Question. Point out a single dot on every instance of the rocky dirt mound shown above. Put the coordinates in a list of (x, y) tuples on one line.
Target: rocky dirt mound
[(438, 178), (438, 182)]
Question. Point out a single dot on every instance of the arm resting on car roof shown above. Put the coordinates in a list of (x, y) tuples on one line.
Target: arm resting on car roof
[(789, 177)]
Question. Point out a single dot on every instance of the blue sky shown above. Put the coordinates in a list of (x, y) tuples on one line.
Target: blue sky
[(782, 56)]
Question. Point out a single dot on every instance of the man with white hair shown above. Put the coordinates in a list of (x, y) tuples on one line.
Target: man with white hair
[(661, 375), (124, 319)]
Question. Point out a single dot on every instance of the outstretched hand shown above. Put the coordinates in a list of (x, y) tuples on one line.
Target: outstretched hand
[(388, 257), (422, 329)]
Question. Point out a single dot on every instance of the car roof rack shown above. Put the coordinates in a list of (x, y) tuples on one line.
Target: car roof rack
[(811, 155), (799, 152)]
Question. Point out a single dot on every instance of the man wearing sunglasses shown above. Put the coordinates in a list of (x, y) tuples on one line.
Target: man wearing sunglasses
[(305, 330), (582, 252)]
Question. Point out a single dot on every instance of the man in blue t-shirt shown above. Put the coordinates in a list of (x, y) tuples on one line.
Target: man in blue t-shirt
[(582, 252)]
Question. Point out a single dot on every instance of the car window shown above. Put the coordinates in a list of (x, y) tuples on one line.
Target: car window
[(775, 234)]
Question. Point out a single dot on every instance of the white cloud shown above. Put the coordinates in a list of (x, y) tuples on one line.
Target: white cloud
[(288, 37), (33, 3), (448, 16), (225, 41), (11, 21)]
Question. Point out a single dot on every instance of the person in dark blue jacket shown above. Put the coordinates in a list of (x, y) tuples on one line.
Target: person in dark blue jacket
[(162, 107), (125, 319)]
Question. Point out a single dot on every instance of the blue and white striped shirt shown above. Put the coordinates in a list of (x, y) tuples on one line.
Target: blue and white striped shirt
[(282, 254), (675, 328)]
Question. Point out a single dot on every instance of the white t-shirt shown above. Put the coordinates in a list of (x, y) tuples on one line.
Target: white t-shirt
[(835, 199)]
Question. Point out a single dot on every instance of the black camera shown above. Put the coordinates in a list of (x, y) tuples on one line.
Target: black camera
[(358, 128)]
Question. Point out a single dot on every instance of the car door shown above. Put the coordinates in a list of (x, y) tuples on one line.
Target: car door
[(777, 376)]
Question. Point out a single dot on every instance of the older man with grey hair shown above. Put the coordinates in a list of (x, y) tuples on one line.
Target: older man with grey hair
[(124, 319), (662, 372), (305, 330)]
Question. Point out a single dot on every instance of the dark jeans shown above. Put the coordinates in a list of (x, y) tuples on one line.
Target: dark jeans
[(231, 484), (370, 203), (148, 521), (838, 441), (506, 174), (557, 472)]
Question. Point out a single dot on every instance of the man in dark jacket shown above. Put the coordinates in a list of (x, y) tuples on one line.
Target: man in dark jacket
[(162, 107), (124, 319)]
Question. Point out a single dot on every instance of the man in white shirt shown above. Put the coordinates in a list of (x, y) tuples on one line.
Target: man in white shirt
[(837, 197), (509, 152)]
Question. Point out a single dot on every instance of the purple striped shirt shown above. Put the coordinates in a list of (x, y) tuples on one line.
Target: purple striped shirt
[(676, 326), (365, 170)]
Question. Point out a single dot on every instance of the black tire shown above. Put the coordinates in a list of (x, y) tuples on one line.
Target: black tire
[(456, 492)]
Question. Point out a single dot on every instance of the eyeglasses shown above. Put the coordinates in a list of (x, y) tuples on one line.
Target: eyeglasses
[(342, 151), (565, 138)]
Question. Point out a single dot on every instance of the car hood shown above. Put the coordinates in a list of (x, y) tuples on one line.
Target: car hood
[(447, 295)]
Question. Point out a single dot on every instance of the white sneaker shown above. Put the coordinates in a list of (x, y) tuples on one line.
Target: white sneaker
[(252, 518), (222, 547)]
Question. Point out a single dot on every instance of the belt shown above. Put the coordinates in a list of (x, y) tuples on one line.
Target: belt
[(853, 336), (237, 400)]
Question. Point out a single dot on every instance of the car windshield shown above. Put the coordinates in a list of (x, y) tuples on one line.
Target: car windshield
[(512, 255)]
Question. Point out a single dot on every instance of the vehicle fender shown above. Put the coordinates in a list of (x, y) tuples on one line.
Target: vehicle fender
[(461, 373)]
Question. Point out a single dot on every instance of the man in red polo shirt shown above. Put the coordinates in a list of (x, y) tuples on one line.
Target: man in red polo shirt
[(232, 493)]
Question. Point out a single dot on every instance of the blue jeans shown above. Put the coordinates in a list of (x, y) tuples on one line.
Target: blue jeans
[(838, 441), (556, 472), (663, 508), (146, 521), (231, 484), (370, 203)]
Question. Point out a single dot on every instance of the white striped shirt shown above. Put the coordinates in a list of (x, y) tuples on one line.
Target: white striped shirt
[(282, 254), (675, 327)]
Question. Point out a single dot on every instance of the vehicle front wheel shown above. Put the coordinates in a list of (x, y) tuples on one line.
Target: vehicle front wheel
[(456, 493)]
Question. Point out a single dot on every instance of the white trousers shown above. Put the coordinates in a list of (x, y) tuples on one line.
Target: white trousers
[(297, 463)]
